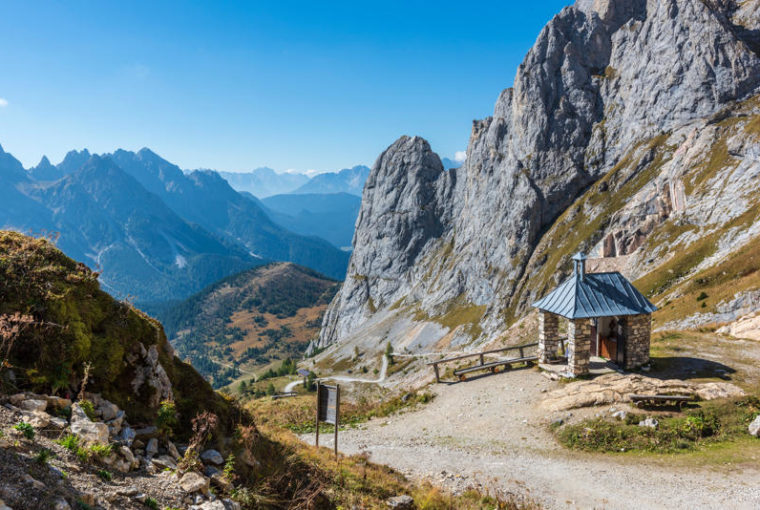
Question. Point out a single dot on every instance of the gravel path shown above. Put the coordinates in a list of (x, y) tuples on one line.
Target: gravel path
[(489, 433), (345, 378)]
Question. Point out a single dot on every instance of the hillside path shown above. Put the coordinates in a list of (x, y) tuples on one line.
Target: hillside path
[(490, 432), (345, 378)]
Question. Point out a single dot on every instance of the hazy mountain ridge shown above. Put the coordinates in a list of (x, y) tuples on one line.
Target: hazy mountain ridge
[(603, 108), (155, 233), (331, 216), (204, 198), (264, 182), (348, 180)]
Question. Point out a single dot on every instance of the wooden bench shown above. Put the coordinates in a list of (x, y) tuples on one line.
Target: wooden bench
[(493, 365), (284, 395), (676, 400), (520, 348)]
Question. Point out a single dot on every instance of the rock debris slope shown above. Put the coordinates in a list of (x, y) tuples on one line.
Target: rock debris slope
[(608, 102)]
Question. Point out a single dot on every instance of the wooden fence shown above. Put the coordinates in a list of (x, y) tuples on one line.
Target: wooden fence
[(481, 355)]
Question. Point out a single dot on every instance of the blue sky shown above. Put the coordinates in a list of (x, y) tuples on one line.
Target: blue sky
[(237, 85)]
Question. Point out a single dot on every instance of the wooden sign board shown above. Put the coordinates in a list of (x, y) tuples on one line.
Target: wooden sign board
[(328, 409)]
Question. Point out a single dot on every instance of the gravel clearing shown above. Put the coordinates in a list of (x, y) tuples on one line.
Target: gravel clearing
[(491, 433)]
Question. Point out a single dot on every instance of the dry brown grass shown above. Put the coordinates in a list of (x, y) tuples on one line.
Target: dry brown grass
[(352, 480)]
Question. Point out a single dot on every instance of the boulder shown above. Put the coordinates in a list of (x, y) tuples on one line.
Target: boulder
[(77, 413), (29, 480), (122, 466), (146, 432), (172, 450), (221, 481), (212, 457), (614, 388), (59, 423), (115, 424), (210, 471), (126, 436), (649, 422), (754, 427), (128, 456), (217, 504), (194, 482), (209, 505), (87, 430), (152, 447), (60, 504), (37, 419), (164, 462), (108, 410), (17, 398), (400, 502), (33, 405), (620, 415), (57, 402)]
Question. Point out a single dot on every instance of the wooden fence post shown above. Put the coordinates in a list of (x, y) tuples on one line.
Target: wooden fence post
[(319, 387), (337, 417)]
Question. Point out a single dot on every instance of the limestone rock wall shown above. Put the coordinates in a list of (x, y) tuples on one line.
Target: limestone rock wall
[(637, 334), (603, 77)]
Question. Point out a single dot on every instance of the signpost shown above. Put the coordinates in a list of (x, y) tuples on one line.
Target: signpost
[(328, 408)]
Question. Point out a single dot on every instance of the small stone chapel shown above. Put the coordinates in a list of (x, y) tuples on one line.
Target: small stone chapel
[(606, 317)]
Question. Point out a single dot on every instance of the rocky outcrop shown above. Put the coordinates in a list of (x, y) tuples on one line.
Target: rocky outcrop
[(593, 97), (611, 388), (150, 373)]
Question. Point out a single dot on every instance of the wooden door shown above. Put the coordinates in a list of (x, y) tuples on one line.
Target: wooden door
[(608, 348)]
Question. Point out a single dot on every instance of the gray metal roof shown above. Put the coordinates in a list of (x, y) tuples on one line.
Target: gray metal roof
[(595, 295)]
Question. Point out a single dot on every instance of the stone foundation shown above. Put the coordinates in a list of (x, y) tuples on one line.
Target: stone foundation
[(637, 332), (548, 336), (578, 346)]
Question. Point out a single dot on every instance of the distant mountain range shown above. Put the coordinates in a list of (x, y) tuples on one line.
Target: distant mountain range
[(331, 216), (156, 233), (264, 182)]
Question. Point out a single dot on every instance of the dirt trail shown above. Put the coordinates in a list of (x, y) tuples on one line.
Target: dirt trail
[(345, 378), (490, 432)]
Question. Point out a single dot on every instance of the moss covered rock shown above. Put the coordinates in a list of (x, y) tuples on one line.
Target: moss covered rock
[(76, 323)]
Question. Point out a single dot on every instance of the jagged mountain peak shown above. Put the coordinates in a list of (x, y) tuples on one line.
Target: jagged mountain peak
[(605, 82), (73, 161)]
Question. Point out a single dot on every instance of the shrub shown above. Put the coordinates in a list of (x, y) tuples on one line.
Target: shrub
[(229, 468), (43, 456), (101, 450), (25, 429), (203, 425), (702, 295), (151, 503), (104, 475), (167, 417), (88, 408), (82, 505), (70, 442)]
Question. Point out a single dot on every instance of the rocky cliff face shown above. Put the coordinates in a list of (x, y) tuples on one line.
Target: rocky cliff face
[(609, 92)]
